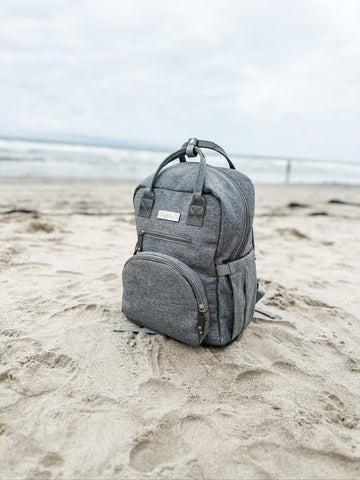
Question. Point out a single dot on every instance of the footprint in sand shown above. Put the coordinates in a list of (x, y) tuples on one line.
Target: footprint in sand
[(172, 439), (289, 368), (11, 333), (32, 371), (160, 446), (255, 380), (162, 395), (353, 364), (157, 390), (45, 367), (194, 425), (281, 298), (338, 411)]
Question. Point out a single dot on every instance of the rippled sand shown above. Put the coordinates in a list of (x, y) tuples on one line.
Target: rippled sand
[(79, 401)]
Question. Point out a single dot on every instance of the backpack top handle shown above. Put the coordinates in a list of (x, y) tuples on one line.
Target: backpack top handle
[(192, 148), (197, 205), (194, 142)]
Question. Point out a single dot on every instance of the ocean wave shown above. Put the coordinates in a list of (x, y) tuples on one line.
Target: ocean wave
[(37, 159)]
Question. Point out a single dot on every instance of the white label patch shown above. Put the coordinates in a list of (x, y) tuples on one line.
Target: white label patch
[(166, 215)]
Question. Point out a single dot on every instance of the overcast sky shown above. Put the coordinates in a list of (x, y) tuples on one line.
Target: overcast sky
[(267, 77)]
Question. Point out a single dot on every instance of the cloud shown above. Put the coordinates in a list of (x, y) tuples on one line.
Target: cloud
[(265, 77)]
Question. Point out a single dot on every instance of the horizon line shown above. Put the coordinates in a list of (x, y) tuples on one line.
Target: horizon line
[(103, 142)]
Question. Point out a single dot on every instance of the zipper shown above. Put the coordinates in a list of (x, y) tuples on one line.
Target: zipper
[(247, 214), (139, 243), (201, 318), (160, 235)]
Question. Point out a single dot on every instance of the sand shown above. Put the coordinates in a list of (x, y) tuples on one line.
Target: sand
[(79, 401)]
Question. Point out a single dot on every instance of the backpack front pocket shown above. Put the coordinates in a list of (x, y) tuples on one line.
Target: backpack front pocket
[(162, 293), (167, 237)]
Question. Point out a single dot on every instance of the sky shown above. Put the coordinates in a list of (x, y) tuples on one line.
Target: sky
[(267, 77)]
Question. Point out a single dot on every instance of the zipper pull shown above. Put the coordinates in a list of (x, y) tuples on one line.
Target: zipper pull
[(201, 319), (139, 243)]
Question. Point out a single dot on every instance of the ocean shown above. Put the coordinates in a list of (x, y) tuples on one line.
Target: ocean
[(20, 158)]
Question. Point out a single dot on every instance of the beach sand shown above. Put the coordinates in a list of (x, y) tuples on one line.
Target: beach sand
[(80, 401)]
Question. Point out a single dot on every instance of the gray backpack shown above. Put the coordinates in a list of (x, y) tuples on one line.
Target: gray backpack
[(193, 276)]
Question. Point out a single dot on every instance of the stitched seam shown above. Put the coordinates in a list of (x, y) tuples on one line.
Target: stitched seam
[(217, 277)]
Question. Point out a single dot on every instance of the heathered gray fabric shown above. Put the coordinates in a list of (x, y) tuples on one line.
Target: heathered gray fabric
[(181, 176), (200, 255), (157, 292), (243, 281), (223, 238)]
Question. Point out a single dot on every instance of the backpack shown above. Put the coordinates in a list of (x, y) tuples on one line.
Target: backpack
[(193, 275)]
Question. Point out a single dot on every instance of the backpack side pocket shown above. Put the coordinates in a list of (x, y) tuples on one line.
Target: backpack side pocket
[(237, 288)]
